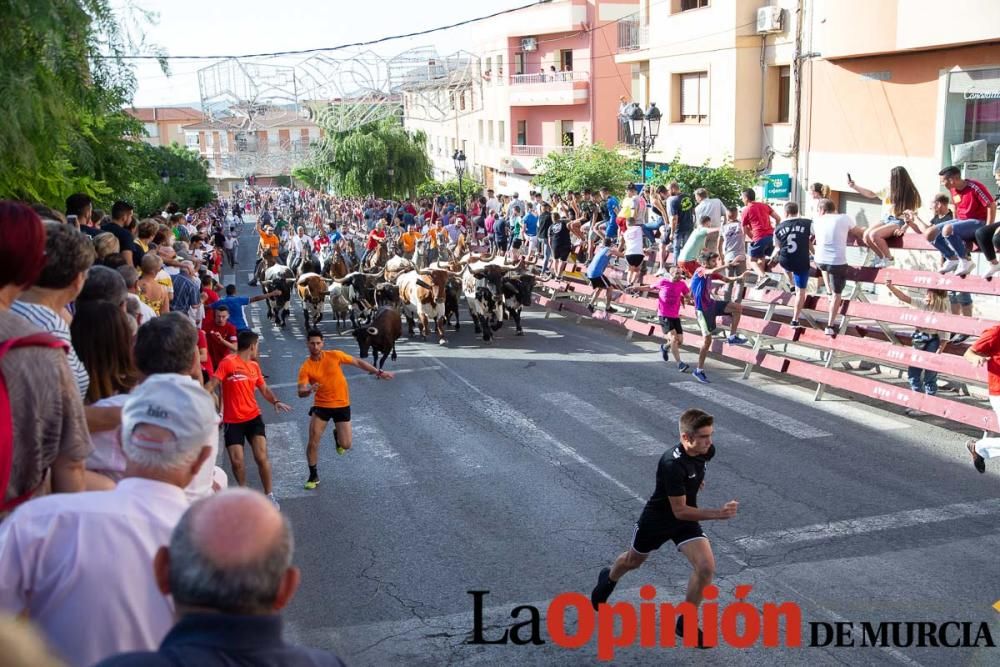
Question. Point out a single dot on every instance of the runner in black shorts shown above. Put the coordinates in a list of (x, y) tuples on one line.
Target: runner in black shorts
[(321, 375), (672, 514), (235, 435)]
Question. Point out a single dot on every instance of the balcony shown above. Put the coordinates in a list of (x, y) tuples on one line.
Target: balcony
[(549, 88), (632, 34), (522, 150)]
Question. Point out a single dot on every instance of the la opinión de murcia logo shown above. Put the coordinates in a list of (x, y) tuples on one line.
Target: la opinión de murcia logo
[(973, 94), (738, 624)]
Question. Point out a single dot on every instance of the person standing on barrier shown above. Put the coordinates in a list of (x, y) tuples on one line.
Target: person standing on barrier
[(831, 231), (708, 310), (595, 273), (756, 219), (986, 350), (793, 237), (672, 514), (732, 247), (924, 339)]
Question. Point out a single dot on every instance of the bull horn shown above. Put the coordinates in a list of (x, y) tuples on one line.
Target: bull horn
[(425, 272), (372, 331)]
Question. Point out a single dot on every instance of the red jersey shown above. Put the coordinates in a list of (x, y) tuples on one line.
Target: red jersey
[(239, 379), (374, 238), (756, 220), (216, 350), (210, 296), (988, 346), (971, 202), (206, 365)]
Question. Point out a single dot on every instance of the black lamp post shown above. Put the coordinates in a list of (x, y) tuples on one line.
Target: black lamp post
[(392, 173), (164, 176), (643, 128), (459, 158)]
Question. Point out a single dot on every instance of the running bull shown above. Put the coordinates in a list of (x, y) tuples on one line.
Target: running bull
[(380, 334), (278, 278)]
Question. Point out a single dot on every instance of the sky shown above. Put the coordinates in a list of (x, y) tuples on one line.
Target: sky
[(234, 27)]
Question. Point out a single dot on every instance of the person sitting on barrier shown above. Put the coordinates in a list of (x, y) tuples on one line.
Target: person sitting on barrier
[(831, 231), (927, 340), (975, 209), (732, 247), (986, 350), (687, 259), (672, 292), (793, 252), (708, 309), (902, 198), (595, 273)]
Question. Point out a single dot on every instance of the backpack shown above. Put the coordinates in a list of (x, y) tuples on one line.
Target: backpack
[(6, 416)]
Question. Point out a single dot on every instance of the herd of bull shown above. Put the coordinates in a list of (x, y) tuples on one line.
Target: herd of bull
[(377, 300)]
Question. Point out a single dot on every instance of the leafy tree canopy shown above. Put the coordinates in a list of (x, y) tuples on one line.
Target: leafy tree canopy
[(592, 166), (724, 182), (449, 188)]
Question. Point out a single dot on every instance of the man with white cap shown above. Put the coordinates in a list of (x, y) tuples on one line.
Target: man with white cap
[(79, 564)]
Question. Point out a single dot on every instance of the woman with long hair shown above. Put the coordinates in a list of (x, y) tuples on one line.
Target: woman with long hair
[(897, 213), (103, 340)]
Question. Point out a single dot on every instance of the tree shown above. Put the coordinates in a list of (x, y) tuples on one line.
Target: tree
[(592, 166), (449, 188), (357, 162), (187, 185), (725, 182)]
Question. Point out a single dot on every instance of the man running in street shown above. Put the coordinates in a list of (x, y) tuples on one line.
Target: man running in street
[(239, 376), (672, 513), (321, 375)]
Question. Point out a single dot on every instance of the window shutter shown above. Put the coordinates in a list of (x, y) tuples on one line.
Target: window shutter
[(703, 94), (689, 95)]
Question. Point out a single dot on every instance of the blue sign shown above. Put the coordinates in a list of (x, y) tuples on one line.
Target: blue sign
[(777, 186)]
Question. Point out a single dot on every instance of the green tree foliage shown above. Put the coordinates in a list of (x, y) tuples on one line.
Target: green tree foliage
[(311, 176), (724, 182), (187, 185), (449, 188), (592, 166), (357, 162)]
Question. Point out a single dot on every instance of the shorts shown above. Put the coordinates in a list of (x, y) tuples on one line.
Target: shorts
[(689, 266), (960, 298), (706, 319), (668, 324), (646, 538), (762, 248), (234, 435), (342, 414), (838, 275), (799, 278), (634, 260), (532, 244), (561, 253)]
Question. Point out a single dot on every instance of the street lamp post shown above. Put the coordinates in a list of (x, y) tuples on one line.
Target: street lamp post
[(164, 176), (459, 158), (392, 173), (643, 128)]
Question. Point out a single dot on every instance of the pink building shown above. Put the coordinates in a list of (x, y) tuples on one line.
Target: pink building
[(545, 79)]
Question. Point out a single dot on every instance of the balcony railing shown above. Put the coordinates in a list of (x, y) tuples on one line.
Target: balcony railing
[(522, 150), (549, 77), (632, 34)]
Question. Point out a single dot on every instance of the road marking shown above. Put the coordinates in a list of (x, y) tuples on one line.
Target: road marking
[(287, 451), (359, 377), (867, 416), (871, 524), (370, 443), (755, 411), (672, 414), (615, 429)]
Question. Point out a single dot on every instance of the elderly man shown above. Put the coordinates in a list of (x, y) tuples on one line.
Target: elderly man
[(79, 564), (187, 292), (131, 277), (229, 571)]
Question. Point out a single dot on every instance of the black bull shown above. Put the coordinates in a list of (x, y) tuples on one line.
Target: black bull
[(380, 334), (280, 281)]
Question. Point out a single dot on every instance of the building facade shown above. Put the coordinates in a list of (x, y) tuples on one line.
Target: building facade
[(165, 125), (545, 79)]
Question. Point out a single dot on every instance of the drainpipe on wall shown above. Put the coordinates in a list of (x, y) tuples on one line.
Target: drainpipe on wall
[(797, 81), (593, 74)]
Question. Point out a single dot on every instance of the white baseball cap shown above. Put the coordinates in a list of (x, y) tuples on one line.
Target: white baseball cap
[(173, 402)]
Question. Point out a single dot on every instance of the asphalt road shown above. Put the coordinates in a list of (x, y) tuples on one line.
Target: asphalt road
[(520, 467)]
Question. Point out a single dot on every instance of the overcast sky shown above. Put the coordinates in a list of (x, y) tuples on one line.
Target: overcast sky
[(212, 27)]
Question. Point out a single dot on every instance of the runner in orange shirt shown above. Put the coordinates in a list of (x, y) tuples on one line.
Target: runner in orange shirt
[(240, 376), (322, 376)]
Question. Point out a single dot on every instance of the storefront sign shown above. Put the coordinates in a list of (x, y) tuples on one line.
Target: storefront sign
[(777, 186)]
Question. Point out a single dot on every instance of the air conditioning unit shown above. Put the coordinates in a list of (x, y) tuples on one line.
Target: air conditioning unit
[(529, 43), (769, 20)]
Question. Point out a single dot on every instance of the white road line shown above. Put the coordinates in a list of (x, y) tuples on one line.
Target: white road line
[(867, 416), (755, 411), (371, 445), (614, 428), (287, 450), (517, 425), (871, 524), (671, 413), (360, 378)]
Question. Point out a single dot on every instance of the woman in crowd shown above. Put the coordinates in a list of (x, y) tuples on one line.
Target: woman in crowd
[(105, 244), (897, 207), (151, 292)]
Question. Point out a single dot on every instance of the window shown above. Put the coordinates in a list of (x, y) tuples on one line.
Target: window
[(692, 97), (502, 133), (566, 60), (519, 63), (152, 129), (500, 68), (192, 139), (972, 122), (480, 130), (489, 68), (567, 133), (491, 133), (522, 133), (685, 5), (461, 100), (777, 94), (784, 92)]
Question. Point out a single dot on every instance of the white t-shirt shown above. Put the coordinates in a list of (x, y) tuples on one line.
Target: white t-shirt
[(830, 231), (713, 208), (633, 240)]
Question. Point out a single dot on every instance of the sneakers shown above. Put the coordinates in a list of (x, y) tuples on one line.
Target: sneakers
[(700, 376), (959, 339), (679, 631), (590, 307), (341, 450), (311, 484), (682, 367), (965, 267), (830, 331), (795, 324), (948, 266), (602, 591), (736, 339), (993, 270), (664, 352), (977, 461), (271, 497), (611, 309), (879, 263)]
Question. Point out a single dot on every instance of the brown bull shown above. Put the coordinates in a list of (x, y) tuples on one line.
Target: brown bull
[(312, 291), (422, 295)]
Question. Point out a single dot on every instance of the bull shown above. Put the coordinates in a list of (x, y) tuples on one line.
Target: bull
[(278, 278), (483, 290), (339, 304), (516, 289), (380, 334), (452, 294), (312, 291), (422, 294), (359, 290)]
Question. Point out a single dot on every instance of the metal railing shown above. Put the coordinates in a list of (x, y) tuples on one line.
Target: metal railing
[(549, 77), (632, 34), (523, 150)]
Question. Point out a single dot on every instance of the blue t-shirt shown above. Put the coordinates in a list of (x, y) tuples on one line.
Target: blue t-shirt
[(600, 262), (336, 236), (531, 224), (701, 291), (235, 305), (612, 205)]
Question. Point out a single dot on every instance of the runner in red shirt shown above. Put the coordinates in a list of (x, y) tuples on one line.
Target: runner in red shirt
[(986, 350), (221, 335), (756, 221)]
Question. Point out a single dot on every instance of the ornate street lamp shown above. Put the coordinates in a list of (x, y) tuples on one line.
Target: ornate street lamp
[(643, 127), (459, 159)]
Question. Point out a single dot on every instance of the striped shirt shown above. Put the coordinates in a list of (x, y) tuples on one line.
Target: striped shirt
[(49, 321)]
